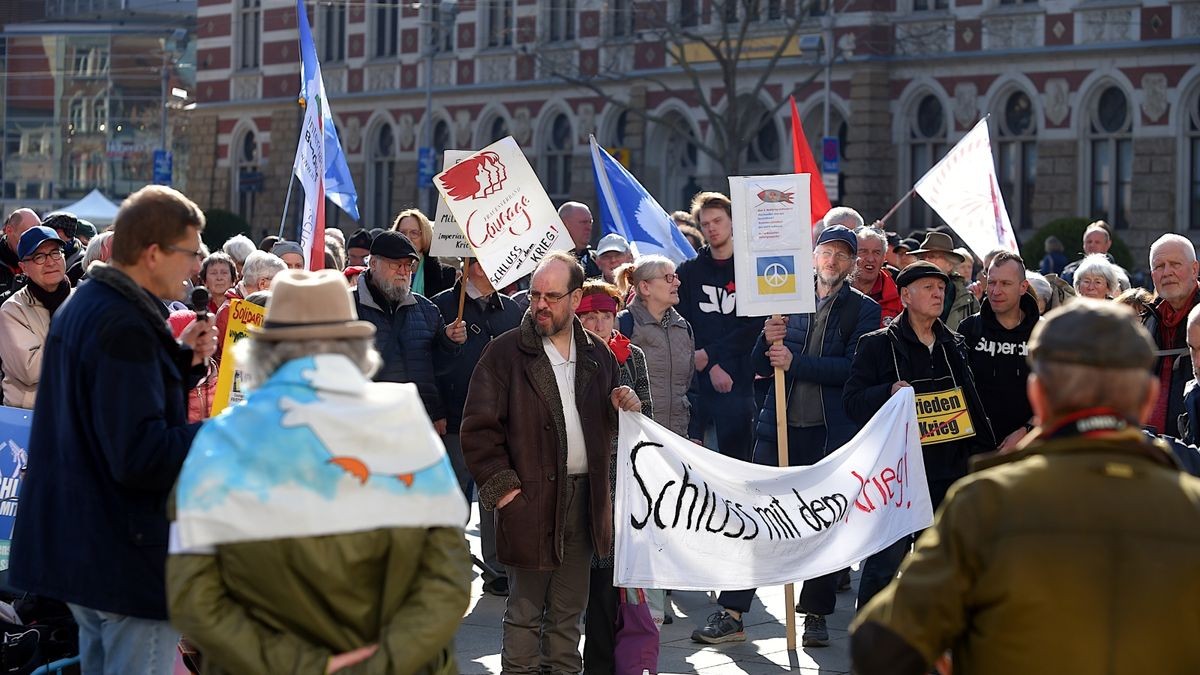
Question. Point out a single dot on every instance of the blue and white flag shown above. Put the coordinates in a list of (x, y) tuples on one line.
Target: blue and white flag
[(339, 184), (627, 209)]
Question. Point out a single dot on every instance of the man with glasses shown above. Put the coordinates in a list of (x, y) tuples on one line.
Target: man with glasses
[(25, 317), (109, 437), (408, 327), (538, 433), (814, 351), (15, 225)]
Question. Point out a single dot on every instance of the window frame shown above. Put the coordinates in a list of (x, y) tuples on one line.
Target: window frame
[(248, 12), (1118, 146), (1019, 197), (932, 148)]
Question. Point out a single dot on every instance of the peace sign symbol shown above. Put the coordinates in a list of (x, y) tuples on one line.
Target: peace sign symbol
[(775, 275)]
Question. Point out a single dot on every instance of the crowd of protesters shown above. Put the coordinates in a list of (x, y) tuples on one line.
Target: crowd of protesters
[(522, 385)]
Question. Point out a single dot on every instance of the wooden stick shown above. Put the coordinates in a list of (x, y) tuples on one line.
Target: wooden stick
[(462, 293), (897, 205), (781, 443)]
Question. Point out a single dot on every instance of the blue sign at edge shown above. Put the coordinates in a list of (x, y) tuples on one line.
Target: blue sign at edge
[(163, 161), (425, 170), (831, 155)]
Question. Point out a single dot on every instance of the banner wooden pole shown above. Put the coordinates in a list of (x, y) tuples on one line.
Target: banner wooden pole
[(781, 443), (462, 293)]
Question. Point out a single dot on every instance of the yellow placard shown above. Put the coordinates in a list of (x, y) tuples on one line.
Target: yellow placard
[(942, 416), (229, 380)]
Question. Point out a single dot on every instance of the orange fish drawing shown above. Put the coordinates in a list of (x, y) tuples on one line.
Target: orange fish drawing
[(355, 467), (775, 197)]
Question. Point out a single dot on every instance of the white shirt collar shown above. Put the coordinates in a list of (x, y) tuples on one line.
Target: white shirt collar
[(552, 352)]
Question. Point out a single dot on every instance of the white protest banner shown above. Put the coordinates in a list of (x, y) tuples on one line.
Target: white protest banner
[(692, 519), (448, 239), (963, 189), (504, 213), (772, 249)]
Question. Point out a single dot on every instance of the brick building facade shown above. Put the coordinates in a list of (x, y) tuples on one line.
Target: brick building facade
[(1095, 106)]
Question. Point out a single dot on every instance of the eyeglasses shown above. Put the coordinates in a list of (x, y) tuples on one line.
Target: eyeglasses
[(550, 298), (198, 255), (670, 277), (403, 264), (41, 258), (838, 256)]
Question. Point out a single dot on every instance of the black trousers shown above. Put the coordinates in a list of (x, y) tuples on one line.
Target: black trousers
[(600, 624), (732, 416), (806, 446)]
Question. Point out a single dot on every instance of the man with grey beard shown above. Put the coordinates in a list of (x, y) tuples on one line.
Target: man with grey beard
[(408, 327)]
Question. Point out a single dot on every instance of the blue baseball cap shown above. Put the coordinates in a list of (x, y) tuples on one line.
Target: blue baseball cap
[(35, 237), (839, 233)]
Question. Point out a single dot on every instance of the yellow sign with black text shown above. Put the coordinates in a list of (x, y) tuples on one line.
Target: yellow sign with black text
[(942, 416)]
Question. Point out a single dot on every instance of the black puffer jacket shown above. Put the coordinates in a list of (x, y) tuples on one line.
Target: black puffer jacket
[(999, 364), (407, 339)]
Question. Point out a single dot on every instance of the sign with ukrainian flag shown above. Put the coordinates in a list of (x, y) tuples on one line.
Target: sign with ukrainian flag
[(772, 232)]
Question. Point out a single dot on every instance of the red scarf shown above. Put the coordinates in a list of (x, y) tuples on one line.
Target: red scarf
[(619, 344), (1169, 320)]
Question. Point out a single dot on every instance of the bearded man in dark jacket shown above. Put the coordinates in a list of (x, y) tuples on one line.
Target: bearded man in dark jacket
[(917, 350)]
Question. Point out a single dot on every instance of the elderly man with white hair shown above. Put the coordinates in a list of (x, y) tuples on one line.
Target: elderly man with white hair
[(844, 216), (239, 247), (1173, 268), (1097, 239)]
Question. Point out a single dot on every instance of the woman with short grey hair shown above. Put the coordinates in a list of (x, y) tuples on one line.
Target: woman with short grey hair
[(1097, 278)]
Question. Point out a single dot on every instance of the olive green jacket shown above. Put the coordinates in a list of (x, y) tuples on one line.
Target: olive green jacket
[(1072, 555), (960, 302), (286, 606)]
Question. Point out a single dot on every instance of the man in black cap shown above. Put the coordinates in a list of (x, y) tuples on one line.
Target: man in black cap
[(1088, 525), (917, 350), (814, 351), (358, 247), (408, 327), (959, 303)]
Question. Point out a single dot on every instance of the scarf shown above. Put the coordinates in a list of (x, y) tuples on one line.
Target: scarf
[(418, 278), (1169, 321), (619, 344), (52, 299)]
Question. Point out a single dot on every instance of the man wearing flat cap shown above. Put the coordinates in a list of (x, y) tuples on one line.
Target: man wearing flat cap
[(409, 328), (958, 303), (1076, 553), (917, 350), (318, 525)]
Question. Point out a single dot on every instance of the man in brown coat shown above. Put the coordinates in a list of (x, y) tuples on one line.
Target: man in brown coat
[(538, 429)]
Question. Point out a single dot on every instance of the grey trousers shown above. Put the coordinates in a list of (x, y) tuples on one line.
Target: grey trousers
[(487, 519), (543, 608)]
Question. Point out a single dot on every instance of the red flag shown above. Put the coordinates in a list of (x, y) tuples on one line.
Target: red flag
[(803, 162)]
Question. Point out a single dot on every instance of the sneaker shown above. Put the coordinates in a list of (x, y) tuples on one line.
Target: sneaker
[(816, 634), (721, 628)]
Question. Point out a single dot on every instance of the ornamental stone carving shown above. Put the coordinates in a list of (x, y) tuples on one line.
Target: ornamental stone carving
[(1057, 100), (1154, 95)]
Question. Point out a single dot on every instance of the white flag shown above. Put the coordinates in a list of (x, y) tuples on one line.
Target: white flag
[(963, 189), (692, 519)]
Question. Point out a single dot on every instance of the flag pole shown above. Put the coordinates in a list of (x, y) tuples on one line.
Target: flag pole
[(897, 205), (462, 293), (781, 444), (286, 200)]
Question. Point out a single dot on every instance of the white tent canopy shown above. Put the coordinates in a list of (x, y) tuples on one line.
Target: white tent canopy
[(95, 207)]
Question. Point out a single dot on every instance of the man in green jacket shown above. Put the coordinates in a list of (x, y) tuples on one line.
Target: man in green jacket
[(319, 523), (1078, 553)]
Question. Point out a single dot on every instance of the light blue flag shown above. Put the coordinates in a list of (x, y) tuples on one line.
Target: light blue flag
[(339, 184), (627, 209)]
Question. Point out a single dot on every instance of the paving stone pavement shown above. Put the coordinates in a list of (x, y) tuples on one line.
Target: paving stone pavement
[(763, 652)]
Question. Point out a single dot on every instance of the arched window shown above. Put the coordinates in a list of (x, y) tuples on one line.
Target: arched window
[(1193, 142), (675, 155), (556, 158), (497, 130), (616, 136), (441, 142), (1016, 157), (1109, 135), (926, 145), (382, 172), (762, 154), (248, 179)]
